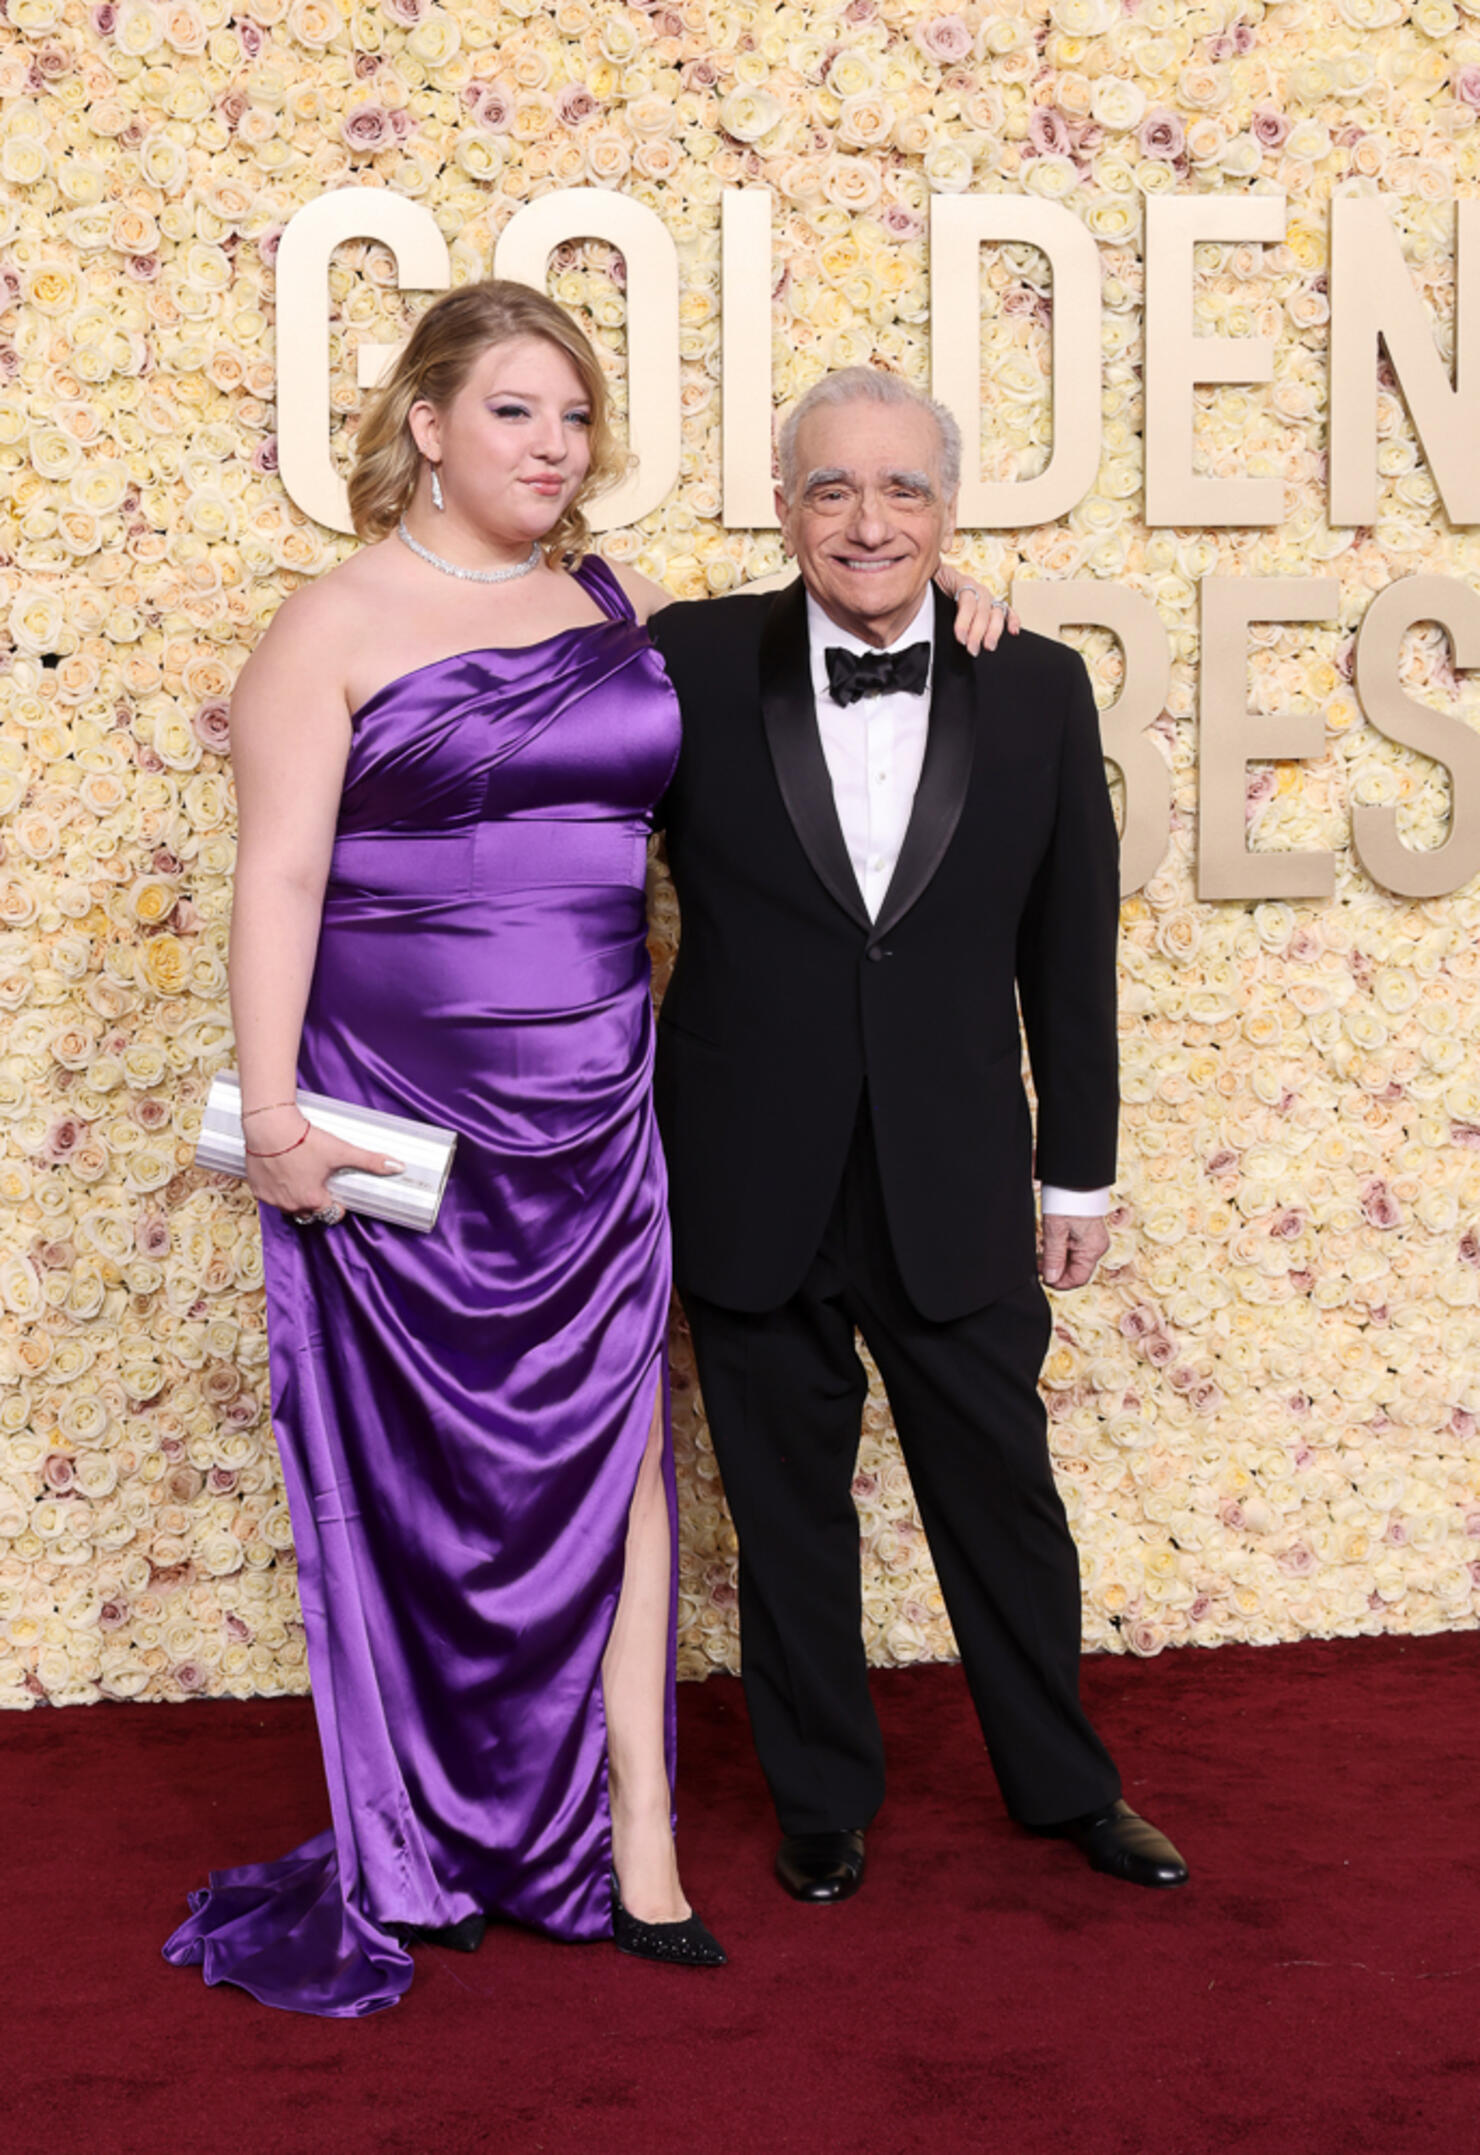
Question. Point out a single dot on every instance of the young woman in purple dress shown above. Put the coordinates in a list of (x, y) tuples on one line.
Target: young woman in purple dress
[(446, 754), (447, 751)]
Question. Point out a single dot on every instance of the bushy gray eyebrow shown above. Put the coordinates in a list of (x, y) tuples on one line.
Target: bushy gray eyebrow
[(834, 475)]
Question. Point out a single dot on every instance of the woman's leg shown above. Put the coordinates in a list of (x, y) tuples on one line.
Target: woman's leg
[(634, 1681)]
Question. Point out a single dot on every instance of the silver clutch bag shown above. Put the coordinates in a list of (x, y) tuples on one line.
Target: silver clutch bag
[(410, 1199)]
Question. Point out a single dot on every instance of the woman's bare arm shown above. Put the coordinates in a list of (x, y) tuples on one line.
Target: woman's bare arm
[(290, 736)]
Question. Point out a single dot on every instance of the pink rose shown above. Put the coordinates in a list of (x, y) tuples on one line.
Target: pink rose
[(1048, 132), (901, 222), (1268, 127), (265, 455), (1222, 1162), (250, 36), (1287, 1225), (190, 1676), (1159, 1350), (1299, 1560), (152, 1235), (1138, 1323), (58, 1472), (63, 1138), (212, 722), (112, 1616), (1467, 86), (574, 104), (1379, 1206), (1259, 788), (367, 129), (1162, 136), (492, 107), (945, 40), (104, 19), (1466, 1134)]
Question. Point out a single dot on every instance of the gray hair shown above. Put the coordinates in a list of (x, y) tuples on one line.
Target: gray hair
[(868, 384)]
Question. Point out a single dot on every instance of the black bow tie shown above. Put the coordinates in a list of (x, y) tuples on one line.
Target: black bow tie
[(851, 675)]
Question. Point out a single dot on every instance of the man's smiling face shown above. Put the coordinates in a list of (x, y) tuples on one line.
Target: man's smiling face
[(867, 519)]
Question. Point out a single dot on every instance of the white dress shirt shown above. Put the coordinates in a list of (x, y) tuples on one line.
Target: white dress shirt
[(874, 750)]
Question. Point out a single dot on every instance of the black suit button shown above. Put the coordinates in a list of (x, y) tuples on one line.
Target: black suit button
[(876, 953)]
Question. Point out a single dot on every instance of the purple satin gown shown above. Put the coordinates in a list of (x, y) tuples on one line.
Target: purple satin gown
[(462, 1415)]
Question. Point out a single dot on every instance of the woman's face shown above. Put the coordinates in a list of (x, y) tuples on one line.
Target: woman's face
[(514, 444)]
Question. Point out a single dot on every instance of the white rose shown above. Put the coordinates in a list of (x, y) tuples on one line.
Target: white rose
[(1118, 105)]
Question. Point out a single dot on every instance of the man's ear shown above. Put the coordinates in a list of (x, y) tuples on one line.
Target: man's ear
[(783, 516)]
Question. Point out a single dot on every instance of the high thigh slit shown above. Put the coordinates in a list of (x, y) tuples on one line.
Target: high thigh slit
[(462, 1416)]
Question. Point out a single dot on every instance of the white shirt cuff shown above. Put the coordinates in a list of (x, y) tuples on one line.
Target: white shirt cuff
[(1087, 1204)]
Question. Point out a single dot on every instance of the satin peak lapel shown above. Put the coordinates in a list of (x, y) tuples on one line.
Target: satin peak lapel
[(790, 718), (944, 775)]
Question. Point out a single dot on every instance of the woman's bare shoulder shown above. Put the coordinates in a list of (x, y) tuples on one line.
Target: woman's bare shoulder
[(322, 624)]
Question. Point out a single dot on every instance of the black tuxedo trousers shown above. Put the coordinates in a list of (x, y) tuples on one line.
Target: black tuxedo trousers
[(784, 1390)]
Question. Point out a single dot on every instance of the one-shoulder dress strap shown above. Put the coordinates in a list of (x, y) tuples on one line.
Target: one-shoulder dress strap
[(605, 586)]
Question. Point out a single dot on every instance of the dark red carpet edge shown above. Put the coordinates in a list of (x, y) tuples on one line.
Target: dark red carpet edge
[(1316, 1988)]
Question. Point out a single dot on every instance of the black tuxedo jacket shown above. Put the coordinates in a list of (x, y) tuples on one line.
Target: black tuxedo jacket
[(787, 1000)]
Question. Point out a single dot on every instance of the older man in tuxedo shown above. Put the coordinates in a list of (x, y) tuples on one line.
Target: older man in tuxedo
[(884, 849)]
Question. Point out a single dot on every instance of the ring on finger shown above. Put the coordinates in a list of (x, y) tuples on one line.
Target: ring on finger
[(329, 1215), (303, 1219)]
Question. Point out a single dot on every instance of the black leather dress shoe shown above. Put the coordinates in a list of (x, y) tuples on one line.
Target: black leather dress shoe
[(821, 1866), (1124, 1845)]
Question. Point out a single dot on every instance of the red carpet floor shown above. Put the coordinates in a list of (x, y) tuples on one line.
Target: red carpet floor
[(1316, 1988)]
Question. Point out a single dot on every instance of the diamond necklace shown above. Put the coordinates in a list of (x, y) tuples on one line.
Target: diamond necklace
[(471, 576)]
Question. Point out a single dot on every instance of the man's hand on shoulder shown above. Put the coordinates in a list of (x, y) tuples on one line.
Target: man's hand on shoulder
[(1072, 1248)]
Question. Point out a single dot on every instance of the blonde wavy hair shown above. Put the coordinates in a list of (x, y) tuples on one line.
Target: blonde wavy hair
[(438, 357)]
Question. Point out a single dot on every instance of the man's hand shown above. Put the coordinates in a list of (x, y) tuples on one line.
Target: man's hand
[(1072, 1247)]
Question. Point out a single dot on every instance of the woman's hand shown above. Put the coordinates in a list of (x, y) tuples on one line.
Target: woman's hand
[(294, 1176), (980, 619)]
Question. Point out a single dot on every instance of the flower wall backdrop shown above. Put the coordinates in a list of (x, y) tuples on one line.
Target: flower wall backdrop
[(1264, 1413)]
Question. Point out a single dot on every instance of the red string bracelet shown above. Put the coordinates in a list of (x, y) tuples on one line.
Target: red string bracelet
[(300, 1139)]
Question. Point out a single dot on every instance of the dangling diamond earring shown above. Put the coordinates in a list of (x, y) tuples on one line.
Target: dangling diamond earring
[(437, 501)]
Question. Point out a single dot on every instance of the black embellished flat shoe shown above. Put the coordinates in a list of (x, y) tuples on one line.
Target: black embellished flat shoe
[(463, 1937), (689, 1944)]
